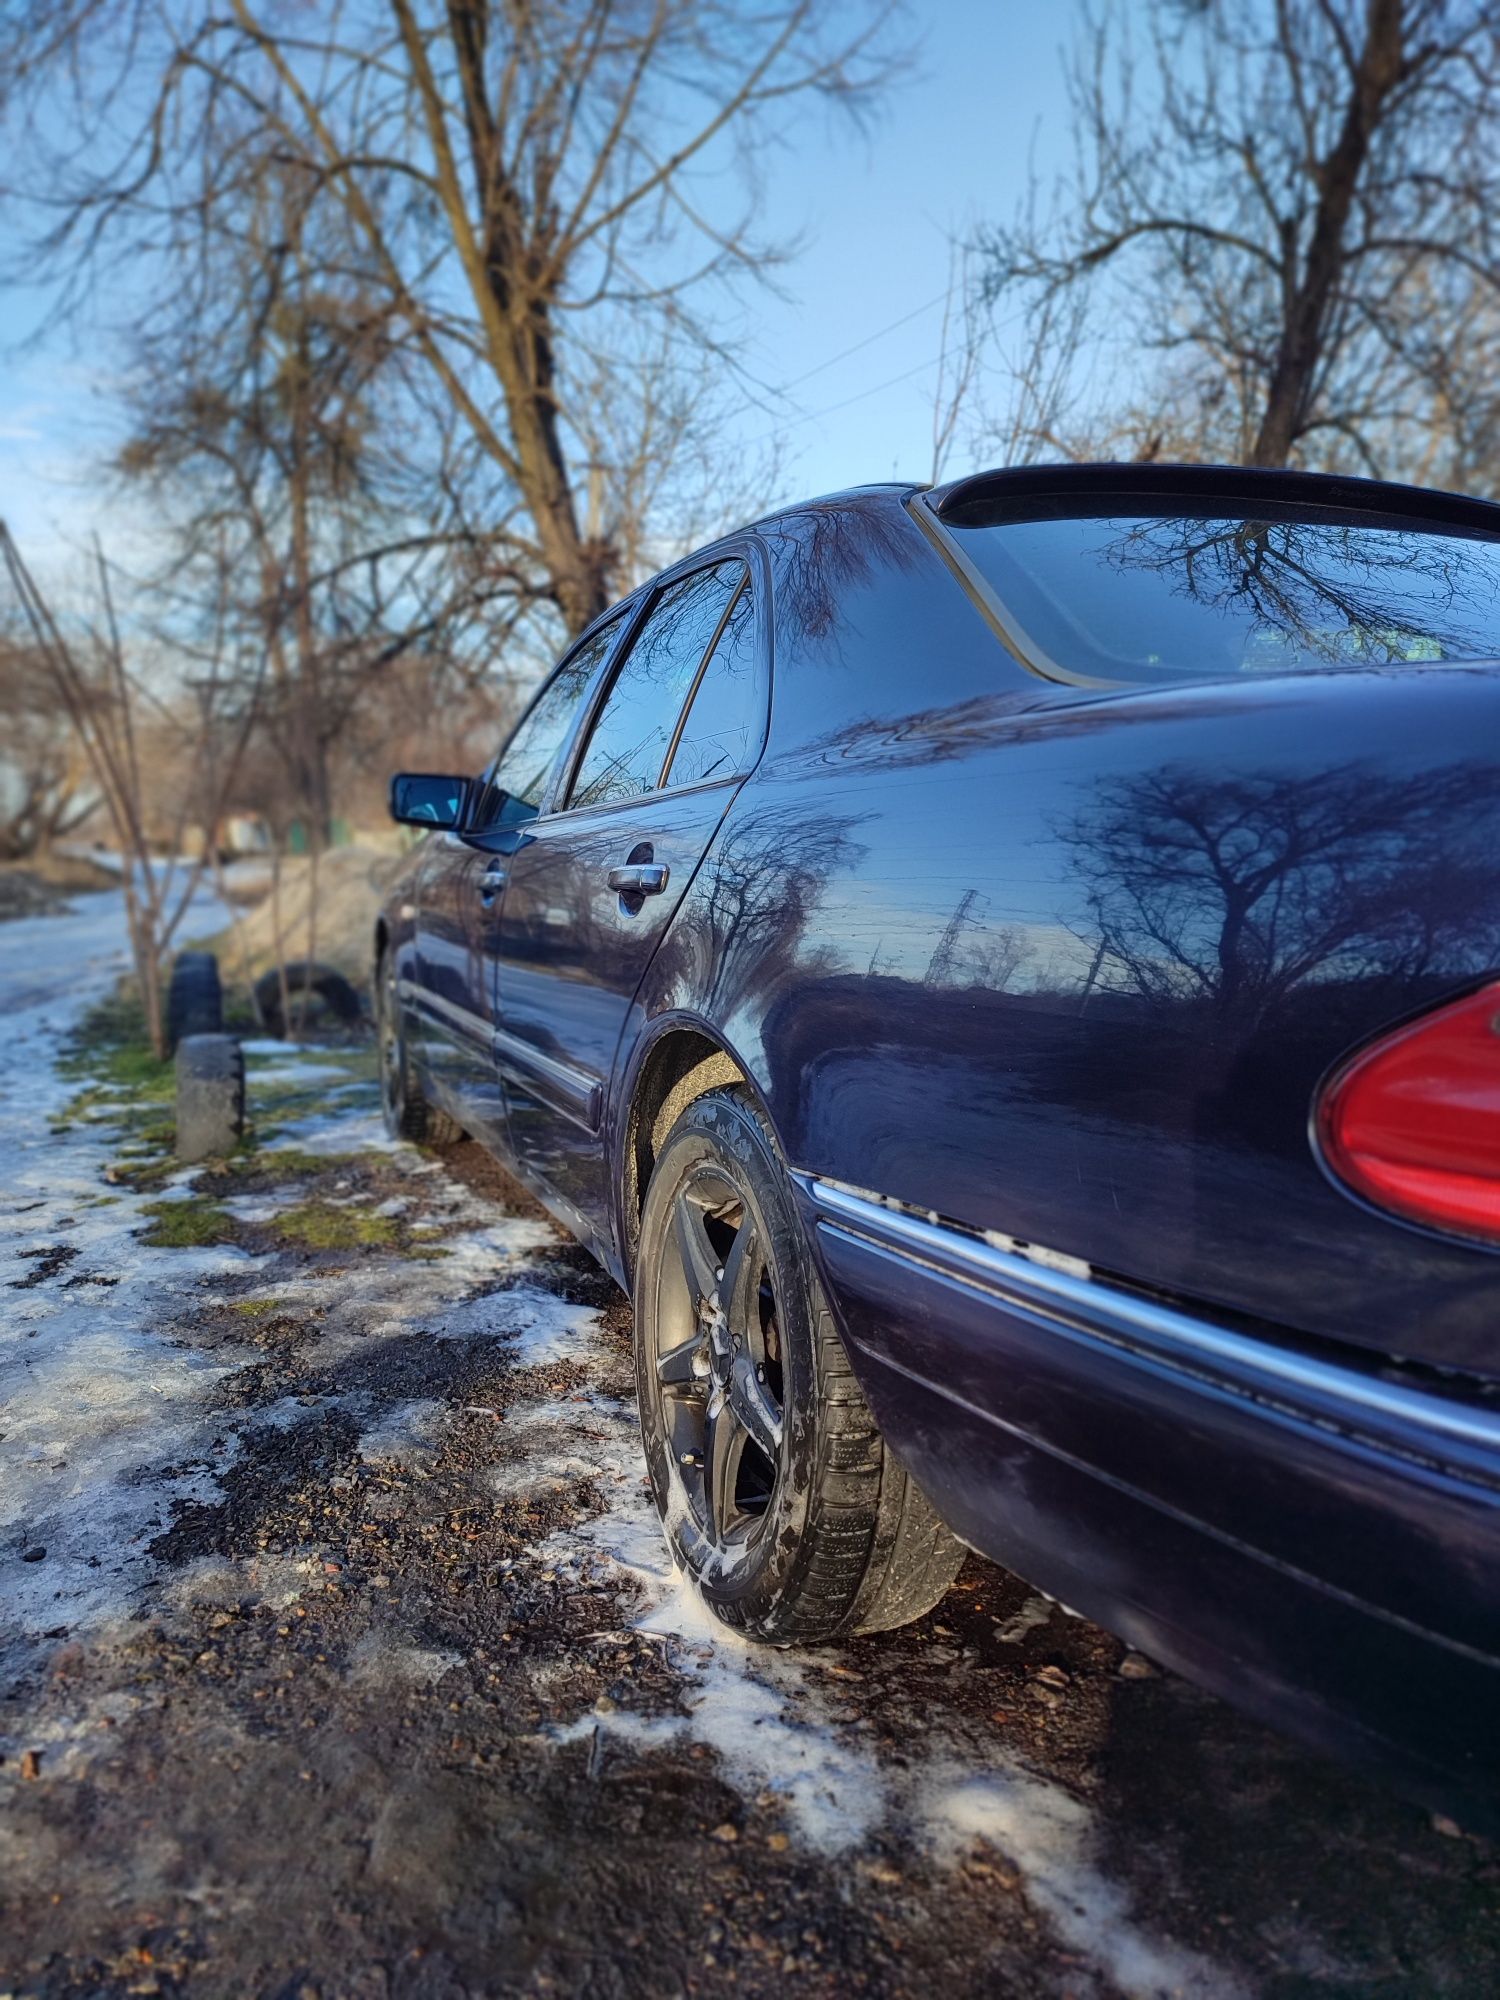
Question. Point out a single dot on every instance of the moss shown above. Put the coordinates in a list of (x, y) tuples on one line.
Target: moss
[(424, 1256), (258, 1308), (322, 1225), (289, 1163), (112, 1052), (187, 1225)]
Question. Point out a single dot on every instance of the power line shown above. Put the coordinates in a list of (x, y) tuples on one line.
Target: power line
[(869, 340), (828, 409)]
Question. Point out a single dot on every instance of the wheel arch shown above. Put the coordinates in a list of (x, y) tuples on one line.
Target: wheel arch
[(680, 1060)]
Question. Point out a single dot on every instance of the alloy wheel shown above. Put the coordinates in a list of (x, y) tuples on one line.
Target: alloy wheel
[(718, 1359)]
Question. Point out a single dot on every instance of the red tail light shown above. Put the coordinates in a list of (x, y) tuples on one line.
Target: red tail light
[(1413, 1122)]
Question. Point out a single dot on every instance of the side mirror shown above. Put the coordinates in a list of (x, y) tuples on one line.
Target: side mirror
[(420, 798)]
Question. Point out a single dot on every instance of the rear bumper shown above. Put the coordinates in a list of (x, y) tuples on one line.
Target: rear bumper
[(1317, 1543)]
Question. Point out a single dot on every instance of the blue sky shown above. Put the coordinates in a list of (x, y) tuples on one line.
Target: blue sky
[(876, 212)]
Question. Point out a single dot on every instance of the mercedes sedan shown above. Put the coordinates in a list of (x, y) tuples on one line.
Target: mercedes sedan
[(1008, 977)]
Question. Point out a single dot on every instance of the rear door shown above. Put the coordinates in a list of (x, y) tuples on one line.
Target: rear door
[(463, 880), (593, 886)]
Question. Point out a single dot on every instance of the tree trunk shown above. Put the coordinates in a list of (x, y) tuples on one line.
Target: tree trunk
[(1293, 384)]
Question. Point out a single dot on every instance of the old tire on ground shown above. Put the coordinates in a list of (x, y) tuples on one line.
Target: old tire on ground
[(407, 1113), (304, 977), (210, 1096), (777, 1491), (195, 999)]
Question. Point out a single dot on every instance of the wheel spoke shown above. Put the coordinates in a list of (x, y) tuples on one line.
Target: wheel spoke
[(694, 1248), (723, 1442), (681, 1366), (739, 1289), (755, 1408)]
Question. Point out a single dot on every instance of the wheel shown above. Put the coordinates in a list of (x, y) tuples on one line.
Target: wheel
[(308, 983), (776, 1490), (195, 999), (408, 1114), (210, 1096)]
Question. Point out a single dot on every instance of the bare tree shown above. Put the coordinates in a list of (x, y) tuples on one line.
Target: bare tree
[(528, 186), (44, 783), (113, 712), (1294, 204)]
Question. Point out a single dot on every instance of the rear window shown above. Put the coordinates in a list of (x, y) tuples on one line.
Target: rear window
[(1118, 597)]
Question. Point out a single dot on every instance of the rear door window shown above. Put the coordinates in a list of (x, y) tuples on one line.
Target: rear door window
[(723, 725), (627, 750)]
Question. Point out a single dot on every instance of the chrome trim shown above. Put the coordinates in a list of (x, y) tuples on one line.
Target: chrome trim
[(577, 1093), (1158, 1332), (413, 993)]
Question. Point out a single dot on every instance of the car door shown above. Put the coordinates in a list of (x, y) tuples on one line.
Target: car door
[(593, 886), (462, 882)]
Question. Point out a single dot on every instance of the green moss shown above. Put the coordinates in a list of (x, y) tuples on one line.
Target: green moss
[(421, 1256), (321, 1225), (112, 1052), (289, 1163), (258, 1308), (187, 1225)]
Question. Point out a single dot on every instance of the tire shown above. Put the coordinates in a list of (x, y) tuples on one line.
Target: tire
[(195, 999), (407, 1113), (210, 1097), (777, 1492), (308, 979)]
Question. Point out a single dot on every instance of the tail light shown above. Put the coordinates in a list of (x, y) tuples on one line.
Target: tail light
[(1412, 1122)]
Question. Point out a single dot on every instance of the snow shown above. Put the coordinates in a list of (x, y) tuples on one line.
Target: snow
[(102, 1418), (106, 1420)]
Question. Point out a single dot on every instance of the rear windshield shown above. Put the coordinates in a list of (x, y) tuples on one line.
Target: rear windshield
[(1121, 597)]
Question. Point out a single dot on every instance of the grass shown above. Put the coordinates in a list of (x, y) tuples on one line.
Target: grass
[(290, 1163), (322, 1225), (187, 1225), (111, 1051)]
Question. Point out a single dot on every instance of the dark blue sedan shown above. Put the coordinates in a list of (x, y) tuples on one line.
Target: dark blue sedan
[(999, 973)]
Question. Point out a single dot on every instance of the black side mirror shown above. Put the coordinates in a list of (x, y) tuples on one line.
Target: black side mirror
[(421, 798)]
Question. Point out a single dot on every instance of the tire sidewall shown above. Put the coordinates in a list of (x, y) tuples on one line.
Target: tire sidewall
[(394, 1090), (724, 1128)]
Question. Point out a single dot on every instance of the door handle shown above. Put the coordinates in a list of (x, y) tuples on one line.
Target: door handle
[(491, 882), (639, 878)]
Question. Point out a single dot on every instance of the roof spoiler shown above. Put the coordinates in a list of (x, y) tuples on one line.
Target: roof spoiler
[(1025, 485)]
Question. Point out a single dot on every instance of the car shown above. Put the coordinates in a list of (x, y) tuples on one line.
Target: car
[(1007, 975)]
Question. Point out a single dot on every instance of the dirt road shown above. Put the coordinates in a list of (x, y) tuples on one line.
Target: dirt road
[(340, 1655)]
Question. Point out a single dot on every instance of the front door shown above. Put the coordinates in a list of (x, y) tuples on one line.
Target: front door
[(452, 1003), (460, 892), (593, 886)]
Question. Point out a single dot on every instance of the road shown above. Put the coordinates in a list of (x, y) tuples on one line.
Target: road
[(340, 1654)]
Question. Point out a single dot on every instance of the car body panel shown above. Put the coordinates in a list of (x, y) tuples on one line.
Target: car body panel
[(450, 989), (571, 953)]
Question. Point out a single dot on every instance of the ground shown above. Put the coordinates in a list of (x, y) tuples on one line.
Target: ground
[(340, 1654)]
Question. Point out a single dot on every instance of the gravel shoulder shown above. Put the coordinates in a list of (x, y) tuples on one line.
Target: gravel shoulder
[(340, 1654)]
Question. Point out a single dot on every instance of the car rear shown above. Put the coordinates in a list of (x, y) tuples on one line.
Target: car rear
[(1065, 1061)]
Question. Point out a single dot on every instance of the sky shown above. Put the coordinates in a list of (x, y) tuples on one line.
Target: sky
[(876, 213)]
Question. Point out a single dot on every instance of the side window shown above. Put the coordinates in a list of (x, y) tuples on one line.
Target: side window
[(516, 784), (725, 714), (625, 754)]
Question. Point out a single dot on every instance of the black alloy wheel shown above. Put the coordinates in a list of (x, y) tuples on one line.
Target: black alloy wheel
[(717, 1359), (777, 1493)]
